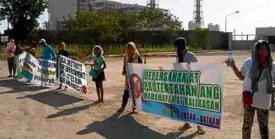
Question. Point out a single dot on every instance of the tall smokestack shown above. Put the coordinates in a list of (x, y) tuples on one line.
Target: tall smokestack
[(198, 13)]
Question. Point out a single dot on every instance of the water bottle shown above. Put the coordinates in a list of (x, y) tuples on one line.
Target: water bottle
[(230, 59)]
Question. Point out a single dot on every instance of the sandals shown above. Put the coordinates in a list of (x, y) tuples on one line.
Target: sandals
[(135, 111), (201, 130), (186, 126), (120, 110)]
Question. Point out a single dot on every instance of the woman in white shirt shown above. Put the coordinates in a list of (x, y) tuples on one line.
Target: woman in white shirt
[(257, 90)]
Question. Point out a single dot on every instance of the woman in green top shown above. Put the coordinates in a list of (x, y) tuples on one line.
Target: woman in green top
[(98, 68)]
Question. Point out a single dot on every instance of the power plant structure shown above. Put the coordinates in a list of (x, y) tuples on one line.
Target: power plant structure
[(198, 13), (152, 4)]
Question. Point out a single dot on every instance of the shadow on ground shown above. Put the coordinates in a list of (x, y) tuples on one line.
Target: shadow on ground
[(272, 108), (18, 86), (71, 111), (52, 98), (126, 127)]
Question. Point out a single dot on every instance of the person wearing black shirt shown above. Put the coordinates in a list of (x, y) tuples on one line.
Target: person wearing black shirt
[(62, 52)]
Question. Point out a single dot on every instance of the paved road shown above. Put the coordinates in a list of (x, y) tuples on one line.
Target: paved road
[(30, 112)]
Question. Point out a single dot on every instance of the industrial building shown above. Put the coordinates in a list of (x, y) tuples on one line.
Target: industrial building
[(60, 10), (267, 33), (213, 27)]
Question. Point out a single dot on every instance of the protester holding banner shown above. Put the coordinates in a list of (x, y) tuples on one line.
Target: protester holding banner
[(258, 84), (19, 50), (31, 50), (131, 56), (47, 51), (97, 72), (185, 56), (62, 51), (10, 50)]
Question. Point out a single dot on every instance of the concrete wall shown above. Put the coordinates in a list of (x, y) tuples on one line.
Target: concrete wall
[(265, 31), (243, 45)]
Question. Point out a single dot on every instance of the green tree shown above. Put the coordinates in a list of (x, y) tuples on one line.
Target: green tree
[(152, 19), (155, 19), (115, 25), (83, 20), (106, 26), (201, 37), (172, 24), (22, 15)]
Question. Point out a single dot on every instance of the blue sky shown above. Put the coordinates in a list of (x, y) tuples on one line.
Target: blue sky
[(253, 13)]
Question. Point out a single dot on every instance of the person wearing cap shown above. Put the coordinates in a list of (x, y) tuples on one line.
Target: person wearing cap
[(47, 51), (185, 56)]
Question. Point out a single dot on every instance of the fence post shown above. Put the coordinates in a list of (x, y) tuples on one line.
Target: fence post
[(230, 47), (273, 99)]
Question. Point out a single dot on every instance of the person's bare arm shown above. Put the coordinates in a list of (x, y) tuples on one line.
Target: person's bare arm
[(237, 72), (104, 66)]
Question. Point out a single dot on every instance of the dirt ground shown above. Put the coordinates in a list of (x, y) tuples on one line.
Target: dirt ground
[(30, 112)]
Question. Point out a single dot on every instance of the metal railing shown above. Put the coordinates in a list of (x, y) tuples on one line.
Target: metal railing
[(243, 37)]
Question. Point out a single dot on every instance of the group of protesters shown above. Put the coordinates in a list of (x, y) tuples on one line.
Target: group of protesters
[(13, 51), (257, 72)]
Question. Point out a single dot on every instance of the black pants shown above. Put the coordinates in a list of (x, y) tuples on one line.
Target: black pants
[(11, 66), (125, 100)]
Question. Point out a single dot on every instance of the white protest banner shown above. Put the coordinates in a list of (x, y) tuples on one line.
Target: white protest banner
[(28, 66), (39, 72), (72, 74), (184, 92), (45, 74)]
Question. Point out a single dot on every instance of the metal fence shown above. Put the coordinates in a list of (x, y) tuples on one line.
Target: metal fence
[(244, 37)]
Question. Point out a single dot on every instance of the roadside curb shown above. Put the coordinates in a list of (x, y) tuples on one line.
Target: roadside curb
[(172, 54)]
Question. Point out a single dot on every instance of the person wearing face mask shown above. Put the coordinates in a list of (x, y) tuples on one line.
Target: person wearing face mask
[(258, 84), (185, 56)]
